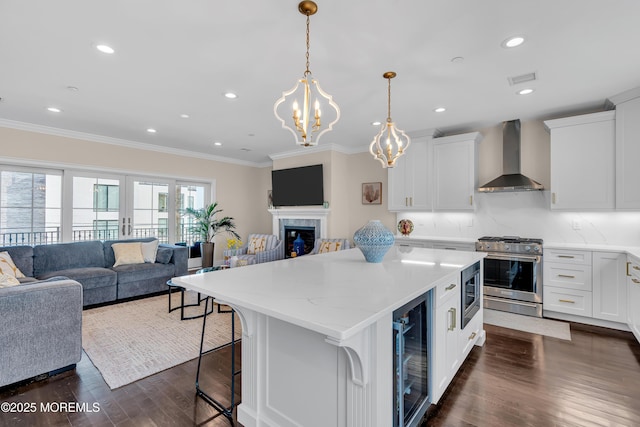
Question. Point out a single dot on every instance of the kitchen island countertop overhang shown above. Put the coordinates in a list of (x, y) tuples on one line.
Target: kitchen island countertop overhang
[(336, 294)]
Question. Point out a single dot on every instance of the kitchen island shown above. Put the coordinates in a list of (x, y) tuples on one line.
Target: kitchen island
[(317, 333)]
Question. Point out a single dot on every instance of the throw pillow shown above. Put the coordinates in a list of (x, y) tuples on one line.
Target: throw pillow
[(8, 267), (127, 253), (7, 280), (149, 251), (256, 244), (329, 247)]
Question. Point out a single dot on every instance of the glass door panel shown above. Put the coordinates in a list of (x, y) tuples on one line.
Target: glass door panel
[(151, 203), (96, 208)]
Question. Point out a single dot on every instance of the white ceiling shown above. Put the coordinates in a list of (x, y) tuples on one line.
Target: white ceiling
[(178, 57)]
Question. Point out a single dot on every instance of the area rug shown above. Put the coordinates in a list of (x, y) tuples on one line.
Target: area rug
[(132, 340), (534, 325)]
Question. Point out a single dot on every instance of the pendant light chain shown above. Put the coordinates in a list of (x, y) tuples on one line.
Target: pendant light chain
[(307, 56), (389, 101)]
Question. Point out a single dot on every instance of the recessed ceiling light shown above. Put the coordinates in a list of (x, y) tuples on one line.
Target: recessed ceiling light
[(105, 49), (230, 95), (513, 41), (525, 91), (54, 110), (217, 143), (376, 123), (72, 88), (184, 116), (151, 130), (440, 110)]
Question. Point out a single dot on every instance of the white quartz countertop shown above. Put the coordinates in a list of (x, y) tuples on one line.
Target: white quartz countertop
[(337, 294), (632, 250)]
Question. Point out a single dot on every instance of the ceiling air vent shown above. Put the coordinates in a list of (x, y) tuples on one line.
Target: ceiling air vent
[(516, 80)]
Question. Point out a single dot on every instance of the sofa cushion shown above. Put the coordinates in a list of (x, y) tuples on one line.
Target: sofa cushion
[(149, 250), (64, 256), (109, 257), (127, 253), (89, 277), (164, 254), (8, 267), (134, 272)]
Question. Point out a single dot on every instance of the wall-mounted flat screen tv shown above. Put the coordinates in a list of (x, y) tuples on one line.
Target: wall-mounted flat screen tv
[(300, 186)]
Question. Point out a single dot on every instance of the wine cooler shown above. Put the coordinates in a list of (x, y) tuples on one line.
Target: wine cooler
[(411, 361)]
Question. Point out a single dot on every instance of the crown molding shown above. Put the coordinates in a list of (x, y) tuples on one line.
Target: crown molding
[(30, 127), (310, 150)]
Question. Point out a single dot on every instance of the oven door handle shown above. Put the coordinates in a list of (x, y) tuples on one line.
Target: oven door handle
[(533, 258)]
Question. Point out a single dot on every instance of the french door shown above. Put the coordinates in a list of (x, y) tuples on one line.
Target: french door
[(107, 207)]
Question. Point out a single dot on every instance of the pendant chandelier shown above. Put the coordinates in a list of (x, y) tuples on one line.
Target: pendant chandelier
[(391, 142), (308, 107)]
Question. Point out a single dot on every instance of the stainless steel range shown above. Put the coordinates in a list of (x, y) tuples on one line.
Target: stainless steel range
[(512, 274)]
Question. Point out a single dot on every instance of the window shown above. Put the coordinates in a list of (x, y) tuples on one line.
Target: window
[(106, 198), (30, 206)]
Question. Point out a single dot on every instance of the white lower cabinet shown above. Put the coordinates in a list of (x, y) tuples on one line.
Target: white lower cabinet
[(468, 336), (609, 286), (585, 283), (633, 295), (446, 329)]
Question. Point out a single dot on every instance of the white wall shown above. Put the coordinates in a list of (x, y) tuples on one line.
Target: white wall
[(527, 214)]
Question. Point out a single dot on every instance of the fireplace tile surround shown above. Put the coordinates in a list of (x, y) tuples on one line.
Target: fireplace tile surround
[(311, 217)]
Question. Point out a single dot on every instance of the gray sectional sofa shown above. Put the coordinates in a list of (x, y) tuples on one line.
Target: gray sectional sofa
[(91, 264), (42, 328), (42, 317)]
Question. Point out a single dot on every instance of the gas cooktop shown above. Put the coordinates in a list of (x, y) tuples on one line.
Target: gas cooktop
[(510, 239)]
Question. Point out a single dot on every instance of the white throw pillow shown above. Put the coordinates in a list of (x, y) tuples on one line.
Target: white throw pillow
[(8, 267), (7, 280), (128, 253), (329, 247), (149, 251)]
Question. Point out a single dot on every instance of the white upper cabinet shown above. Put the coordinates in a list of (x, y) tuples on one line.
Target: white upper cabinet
[(583, 161), (628, 151), (455, 171), (409, 180)]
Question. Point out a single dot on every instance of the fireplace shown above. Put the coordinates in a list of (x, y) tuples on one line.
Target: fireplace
[(307, 234), (304, 220)]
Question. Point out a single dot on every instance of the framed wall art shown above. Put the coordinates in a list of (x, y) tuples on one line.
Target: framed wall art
[(372, 193)]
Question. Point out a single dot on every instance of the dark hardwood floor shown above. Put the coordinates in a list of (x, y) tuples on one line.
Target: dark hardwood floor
[(516, 379)]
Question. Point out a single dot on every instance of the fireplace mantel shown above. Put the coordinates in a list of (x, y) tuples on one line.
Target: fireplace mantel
[(285, 214)]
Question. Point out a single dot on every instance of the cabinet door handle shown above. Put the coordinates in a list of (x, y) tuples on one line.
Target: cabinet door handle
[(553, 198), (635, 267), (451, 286), (410, 201), (628, 264), (123, 226), (566, 276), (471, 200), (452, 319), (406, 201), (636, 281), (567, 300), (566, 256), (472, 336)]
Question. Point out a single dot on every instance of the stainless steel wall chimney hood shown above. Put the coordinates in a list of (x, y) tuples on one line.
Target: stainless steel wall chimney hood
[(511, 178)]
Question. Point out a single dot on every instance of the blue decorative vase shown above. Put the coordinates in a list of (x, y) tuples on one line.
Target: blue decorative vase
[(298, 246), (374, 240)]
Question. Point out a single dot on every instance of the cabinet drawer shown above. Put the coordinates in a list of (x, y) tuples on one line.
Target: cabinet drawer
[(446, 288), (567, 276), (568, 301), (567, 256), (469, 335)]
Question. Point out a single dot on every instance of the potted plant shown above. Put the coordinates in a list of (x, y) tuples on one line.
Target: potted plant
[(207, 227)]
